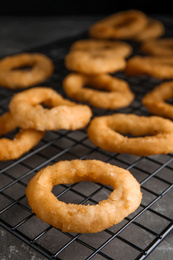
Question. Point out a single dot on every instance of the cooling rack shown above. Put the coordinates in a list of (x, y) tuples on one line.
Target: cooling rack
[(138, 234)]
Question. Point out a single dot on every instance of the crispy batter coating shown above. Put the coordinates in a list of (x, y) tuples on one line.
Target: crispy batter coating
[(118, 93), (27, 109), (120, 48), (158, 47), (157, 67), (94, 61), (120, 25), (155, 100), (23, 141), (153, 30), (151, 135), (124, 199), (13, 77)]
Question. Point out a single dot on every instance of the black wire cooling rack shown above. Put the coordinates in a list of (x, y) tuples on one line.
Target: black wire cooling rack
[(138, 234)]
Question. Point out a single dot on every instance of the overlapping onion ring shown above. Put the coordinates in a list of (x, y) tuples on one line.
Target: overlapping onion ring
[(119, 94), (26, 108), (153, 29), (155, 100), (158, 67), (120, 48), (23, 141), (158, 47), (94, 61), (152, 135), (121, 25), (13, 77), (78, 218)]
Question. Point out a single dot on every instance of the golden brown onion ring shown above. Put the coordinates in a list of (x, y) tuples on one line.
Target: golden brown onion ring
[(124, 199), (151, 135), (26, 108), (13, 77), (119, 94), (157, 67), (158, 47), (120, 25), (153, 29), (155, 100), (23, 141), (94, 61), (119, 48)]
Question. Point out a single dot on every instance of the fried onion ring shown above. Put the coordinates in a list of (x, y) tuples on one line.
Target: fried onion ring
[(158, 67), (24, 140), (119, 94), (153, 30), (152, 135), (124, 199), (155, 100), (121, 25), (118, 47), (94, 61), (27, 109), (11, 76), (158, 47)]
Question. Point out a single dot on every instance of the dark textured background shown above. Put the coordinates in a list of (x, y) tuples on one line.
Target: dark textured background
[(94, 7)]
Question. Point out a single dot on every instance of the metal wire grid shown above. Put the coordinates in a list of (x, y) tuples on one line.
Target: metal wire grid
[(138, 234)]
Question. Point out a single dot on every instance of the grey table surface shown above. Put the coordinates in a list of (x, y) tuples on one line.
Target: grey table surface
[(20, 33)]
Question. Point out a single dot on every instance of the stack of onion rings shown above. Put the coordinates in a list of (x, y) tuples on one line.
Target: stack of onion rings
[(155, 100), (11, 76), (24, 140), (155, 134), (119, 94), (158, 47), (121, 25), (26, 108), (124, 199), (158, 67)]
